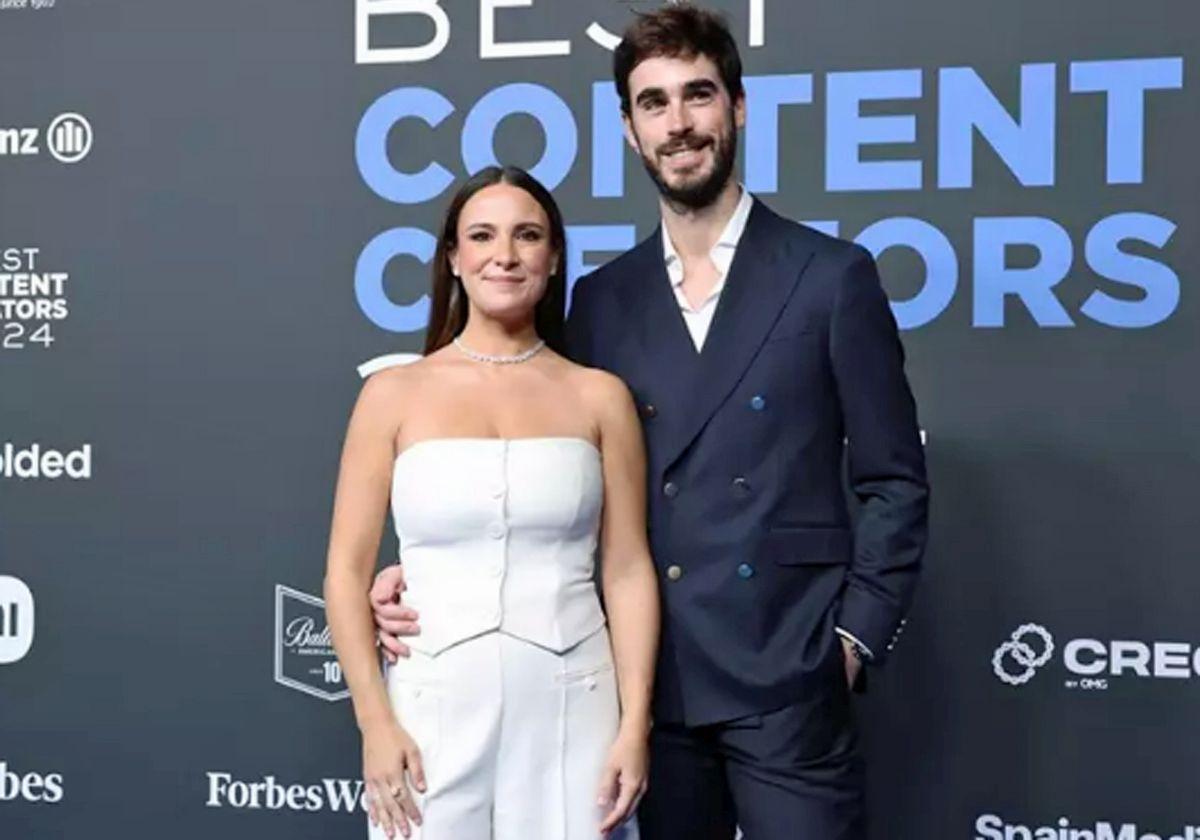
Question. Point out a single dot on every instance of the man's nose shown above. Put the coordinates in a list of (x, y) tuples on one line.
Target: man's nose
[(679, 117)]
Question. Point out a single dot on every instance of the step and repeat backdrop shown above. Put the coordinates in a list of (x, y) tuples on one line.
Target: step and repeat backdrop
[(211, 213)]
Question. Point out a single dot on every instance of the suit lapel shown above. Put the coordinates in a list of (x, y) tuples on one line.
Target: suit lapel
[(665, 330), (666, 357), (761, 279)]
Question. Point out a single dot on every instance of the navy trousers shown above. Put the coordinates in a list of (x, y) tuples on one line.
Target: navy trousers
[(794, 773)]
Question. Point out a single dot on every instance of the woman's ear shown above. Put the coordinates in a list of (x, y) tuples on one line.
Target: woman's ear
[(452, 258)]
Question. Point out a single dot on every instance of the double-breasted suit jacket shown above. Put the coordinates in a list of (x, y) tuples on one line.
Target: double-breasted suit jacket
[(799, 392)]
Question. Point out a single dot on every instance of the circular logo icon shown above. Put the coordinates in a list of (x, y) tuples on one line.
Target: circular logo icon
[(69, 138), (1018, 650)]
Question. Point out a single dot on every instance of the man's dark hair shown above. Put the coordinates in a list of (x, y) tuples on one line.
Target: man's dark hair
[(679, 30)]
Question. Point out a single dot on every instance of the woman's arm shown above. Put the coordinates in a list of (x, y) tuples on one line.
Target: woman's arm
[(359, 511), (359, 508), (630, 588)]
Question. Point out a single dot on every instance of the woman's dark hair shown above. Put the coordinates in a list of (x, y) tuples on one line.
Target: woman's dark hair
[(448, 315), (680, 30)]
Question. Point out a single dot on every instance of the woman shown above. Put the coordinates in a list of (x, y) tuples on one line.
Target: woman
[(506, 465)]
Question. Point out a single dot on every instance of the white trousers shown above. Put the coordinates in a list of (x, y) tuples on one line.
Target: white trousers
[(513, 738)]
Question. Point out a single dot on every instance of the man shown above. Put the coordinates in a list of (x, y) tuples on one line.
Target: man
[(761, 354)]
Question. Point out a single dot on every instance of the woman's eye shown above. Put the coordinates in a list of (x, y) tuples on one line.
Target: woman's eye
[(530, 236), (479, 236)]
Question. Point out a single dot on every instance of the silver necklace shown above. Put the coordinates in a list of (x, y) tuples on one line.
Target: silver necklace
[(523, 356)]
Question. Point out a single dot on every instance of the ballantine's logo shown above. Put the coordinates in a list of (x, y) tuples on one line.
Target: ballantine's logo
[(224, 791), (35, 462), (304, 655), (30, 787), (992, 827)]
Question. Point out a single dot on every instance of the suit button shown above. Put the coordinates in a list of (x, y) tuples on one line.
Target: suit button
[(674, 572), (745, 571), (649, 410), (741, 486), (757, 402), (670, 489)]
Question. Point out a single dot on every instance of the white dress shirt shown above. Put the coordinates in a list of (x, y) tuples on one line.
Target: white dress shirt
[(698, 319)]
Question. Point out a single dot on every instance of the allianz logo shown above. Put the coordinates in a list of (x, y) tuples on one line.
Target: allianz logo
[(1093, 663), (224, 791), (993, 827), (38, 462), (29, 787), (68, 138)]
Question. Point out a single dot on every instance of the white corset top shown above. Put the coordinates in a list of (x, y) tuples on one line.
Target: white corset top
[(499, 534)]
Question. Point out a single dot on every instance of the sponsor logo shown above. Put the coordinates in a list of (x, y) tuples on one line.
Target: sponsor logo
[(1092, 664), (16, 620), (30, 787), (304, 656), (33, 301), (37, 462), (268, 794), (993, 827), (21, 5), (1017, 651), (68, 139)]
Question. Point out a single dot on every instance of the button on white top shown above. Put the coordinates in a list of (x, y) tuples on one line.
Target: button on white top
[(497, 530), (497, 489)]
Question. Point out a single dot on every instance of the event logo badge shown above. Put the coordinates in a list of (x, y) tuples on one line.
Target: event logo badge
[(304, 656), (1016, 661), (33, 300), (16, 619)]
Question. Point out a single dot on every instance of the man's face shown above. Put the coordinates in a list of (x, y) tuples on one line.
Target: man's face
[(684, 126)]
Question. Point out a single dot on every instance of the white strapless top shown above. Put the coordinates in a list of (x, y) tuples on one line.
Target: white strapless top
[(499, 534)]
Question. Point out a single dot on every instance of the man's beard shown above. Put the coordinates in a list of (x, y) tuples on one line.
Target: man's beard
[(698, 194)]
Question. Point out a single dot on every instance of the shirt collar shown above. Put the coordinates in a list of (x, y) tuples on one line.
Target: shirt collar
[(722, 251)]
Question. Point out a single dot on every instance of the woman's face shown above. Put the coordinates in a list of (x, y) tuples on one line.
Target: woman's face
[(504, 255)]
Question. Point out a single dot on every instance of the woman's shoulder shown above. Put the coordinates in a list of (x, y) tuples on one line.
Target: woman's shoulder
[(400, 381)]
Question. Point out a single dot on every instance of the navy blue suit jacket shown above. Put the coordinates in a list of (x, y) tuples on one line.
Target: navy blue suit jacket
[(802, 369)]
